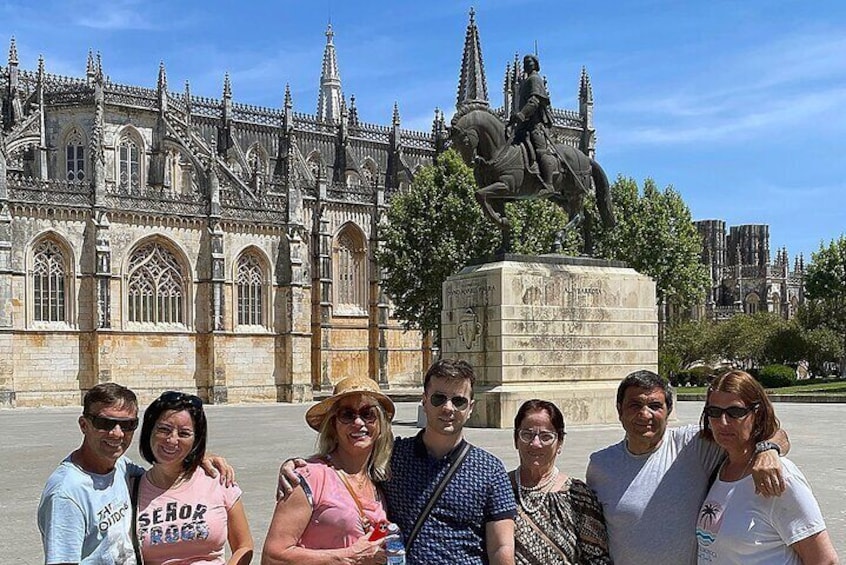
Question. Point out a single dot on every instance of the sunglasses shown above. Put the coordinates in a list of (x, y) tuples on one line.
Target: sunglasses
[(439, 399), (368, 415), (546, 438), (108, 424), (175, 397), (733, 412)]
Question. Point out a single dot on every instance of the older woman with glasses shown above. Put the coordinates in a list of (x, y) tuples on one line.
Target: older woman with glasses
[(735, 525), (331, 515), (185, 516), (559, 519)]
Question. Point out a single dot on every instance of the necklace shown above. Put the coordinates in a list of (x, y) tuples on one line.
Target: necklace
[(541, 488)]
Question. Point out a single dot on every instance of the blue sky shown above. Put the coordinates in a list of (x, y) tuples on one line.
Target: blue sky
[(740, 105)]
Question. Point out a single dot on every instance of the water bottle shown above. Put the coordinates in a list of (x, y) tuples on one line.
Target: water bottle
[(394, 548)]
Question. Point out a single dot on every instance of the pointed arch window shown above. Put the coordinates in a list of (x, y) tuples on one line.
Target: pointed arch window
[(49, 283), (753, 302), (251, 291), (156, 286), (313, 163), (129, 162), (75, 157), (350, 262)]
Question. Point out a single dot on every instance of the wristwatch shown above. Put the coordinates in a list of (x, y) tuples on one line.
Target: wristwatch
[(763, 446)]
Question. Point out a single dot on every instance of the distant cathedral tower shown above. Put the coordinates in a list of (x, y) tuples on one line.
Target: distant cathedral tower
[(330, 98)]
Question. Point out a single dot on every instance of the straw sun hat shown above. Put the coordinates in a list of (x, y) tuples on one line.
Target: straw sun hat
[(347, 387)]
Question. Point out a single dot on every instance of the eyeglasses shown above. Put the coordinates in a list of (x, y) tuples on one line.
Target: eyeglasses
[(439, 399), (546, 438), (173, 396), (165, 432), (108, 424), (733, 412), (368, 415)]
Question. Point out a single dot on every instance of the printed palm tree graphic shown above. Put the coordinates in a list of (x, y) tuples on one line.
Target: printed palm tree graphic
[(709, 514)]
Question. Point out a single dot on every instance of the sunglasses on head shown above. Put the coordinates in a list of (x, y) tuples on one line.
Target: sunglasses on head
[(108, 424), (439, 399), (173, 396), (368, 415), (733, 412)]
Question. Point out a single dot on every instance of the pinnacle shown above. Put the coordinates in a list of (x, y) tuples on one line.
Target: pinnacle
[(162, 83), (13, 52), (288, 101), (227, 86)]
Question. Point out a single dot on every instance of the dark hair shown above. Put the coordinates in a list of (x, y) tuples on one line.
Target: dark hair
[(535, 59), (750, 392), (450, 369), (108, 394), (648, 380), (536, 405), (177, 401)]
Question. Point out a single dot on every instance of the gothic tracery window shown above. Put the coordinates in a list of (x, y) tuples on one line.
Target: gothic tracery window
[(129, 158), (250, 287), (752, 303), (156, 286), (48, 281), (313, 162), (75, 157), (350, 262)]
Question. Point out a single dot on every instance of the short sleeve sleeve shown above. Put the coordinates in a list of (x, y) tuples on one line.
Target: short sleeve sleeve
[(63, 527), (231, 495), (500, 504), (796, 514)]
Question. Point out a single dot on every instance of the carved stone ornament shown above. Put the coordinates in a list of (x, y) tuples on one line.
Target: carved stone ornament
[(469, 327)]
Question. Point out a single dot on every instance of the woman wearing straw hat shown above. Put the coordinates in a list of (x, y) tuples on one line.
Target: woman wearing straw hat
[(329, 517)]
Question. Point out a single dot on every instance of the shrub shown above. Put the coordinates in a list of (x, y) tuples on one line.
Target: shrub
[(776, 376)]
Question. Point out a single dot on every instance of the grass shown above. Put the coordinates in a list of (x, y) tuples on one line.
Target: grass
[(821, 386)]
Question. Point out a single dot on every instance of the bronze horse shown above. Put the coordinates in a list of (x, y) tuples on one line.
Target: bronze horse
[(502, 175)]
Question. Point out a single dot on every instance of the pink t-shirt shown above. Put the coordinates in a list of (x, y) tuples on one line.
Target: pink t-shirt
[(335, 521), (187, 524)]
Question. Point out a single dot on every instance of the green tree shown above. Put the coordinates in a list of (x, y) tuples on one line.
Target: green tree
[(436, 227), (825, 287), (687, 342), (656, 236)]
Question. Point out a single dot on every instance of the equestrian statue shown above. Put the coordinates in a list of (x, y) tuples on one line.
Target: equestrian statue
[(520, 161)]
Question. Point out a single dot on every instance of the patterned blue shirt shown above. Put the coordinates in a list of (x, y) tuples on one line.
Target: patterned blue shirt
[(454, 532)]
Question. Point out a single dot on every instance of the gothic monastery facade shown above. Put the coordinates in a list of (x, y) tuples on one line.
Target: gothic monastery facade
[(164, 240)]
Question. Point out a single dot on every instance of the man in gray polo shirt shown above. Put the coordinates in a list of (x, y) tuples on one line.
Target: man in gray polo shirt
[(652, 483)]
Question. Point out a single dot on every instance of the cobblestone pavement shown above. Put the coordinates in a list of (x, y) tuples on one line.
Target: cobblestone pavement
[(256, 438)]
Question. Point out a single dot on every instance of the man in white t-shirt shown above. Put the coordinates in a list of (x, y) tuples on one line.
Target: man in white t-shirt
[(85, 512), (652, 483)]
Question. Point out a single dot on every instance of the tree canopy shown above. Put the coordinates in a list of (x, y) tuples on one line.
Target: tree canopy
[(655, 235), (825, 287)]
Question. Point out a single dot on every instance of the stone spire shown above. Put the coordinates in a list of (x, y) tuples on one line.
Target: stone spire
[(588, 142), (395, 119), (161, 84), (585, 89), (330, 97), (288, 102), (353, 112), (13, 52), (227, 86), (472, 86), (90, 68)]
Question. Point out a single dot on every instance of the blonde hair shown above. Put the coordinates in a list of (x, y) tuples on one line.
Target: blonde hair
[(379, 464)]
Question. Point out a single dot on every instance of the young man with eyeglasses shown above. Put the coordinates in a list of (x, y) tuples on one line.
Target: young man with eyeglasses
[(84, 514), (652, 484), (472, 522)]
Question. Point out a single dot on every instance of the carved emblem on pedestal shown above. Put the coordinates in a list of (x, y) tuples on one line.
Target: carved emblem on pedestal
[(469, 327)]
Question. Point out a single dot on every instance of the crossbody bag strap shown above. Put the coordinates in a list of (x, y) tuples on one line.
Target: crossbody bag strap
[(436, 495), (525, 515), (365, 522), (134, 484)]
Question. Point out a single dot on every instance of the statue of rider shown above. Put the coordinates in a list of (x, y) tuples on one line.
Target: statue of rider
[(534, 117)]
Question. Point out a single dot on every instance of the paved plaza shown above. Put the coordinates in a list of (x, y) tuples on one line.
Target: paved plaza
[(256, 438)]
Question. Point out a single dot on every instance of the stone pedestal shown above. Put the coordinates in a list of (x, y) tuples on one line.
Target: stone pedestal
[(564, 329)]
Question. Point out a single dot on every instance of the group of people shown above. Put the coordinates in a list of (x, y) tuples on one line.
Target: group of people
[(716, 492)]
